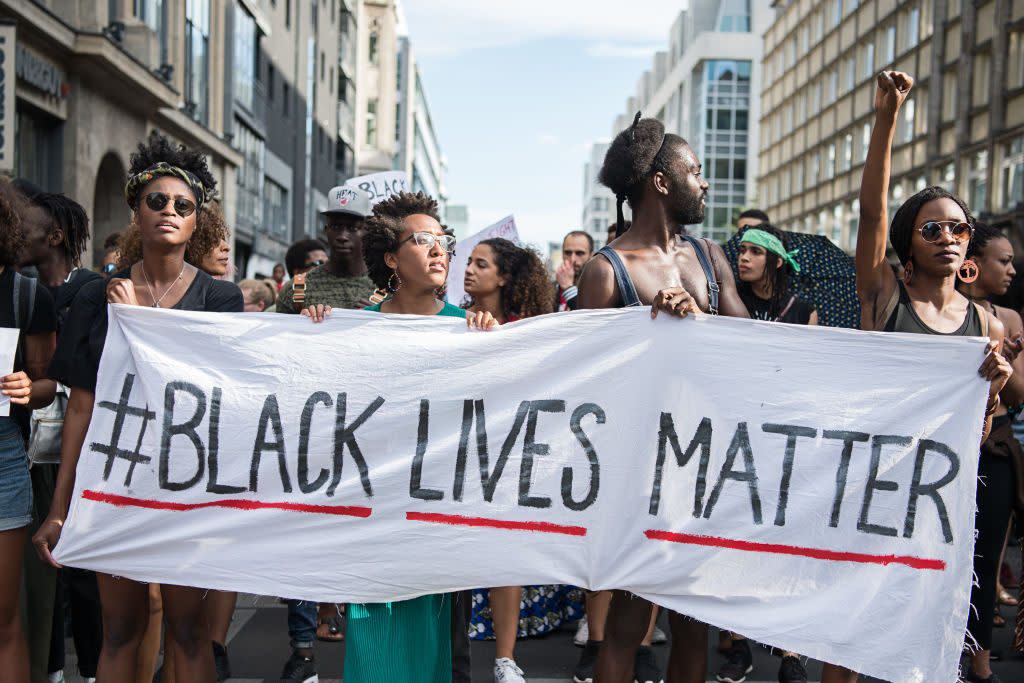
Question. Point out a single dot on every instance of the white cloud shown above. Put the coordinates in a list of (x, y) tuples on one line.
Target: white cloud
[(448, 27)]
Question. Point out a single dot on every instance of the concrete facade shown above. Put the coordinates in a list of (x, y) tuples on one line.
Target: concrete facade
[(598, 201), (704, 88), (962, 126)]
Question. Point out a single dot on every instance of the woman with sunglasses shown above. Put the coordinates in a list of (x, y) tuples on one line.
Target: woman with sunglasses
[(930, 234), (166, 190), (407, 253)]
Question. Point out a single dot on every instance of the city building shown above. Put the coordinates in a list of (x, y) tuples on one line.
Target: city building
[(456, 217), (377, 95), (288, 82), (419, 152), (92, 79), (704, 88), (598, 200), (962, 126)]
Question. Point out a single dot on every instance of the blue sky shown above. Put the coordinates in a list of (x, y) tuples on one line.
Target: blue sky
[(519, 90)]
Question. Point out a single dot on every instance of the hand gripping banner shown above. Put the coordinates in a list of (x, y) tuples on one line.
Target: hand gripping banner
[(810, 488)]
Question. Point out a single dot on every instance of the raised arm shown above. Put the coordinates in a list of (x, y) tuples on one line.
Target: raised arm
[(876, 282)]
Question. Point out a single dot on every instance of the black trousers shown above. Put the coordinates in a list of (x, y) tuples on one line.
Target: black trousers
[(462, 610), (995, 503)]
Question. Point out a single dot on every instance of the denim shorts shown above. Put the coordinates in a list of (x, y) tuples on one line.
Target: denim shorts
[(15, 482)]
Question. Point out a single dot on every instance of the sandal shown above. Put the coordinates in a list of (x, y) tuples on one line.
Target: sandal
[(1006, 599), (331, 629), (998, 621)]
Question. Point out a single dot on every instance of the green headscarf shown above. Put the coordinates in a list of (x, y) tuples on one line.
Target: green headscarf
[(771, 243)]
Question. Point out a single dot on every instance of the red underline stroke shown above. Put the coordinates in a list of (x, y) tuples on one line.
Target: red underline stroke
[(230, 503), (813, 553), (460, 520)]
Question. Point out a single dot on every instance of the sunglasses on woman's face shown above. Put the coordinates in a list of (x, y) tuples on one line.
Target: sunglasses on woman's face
[(960, 232), (156, 201)]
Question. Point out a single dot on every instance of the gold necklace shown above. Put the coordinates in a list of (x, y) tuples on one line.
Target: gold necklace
[(152, 294)]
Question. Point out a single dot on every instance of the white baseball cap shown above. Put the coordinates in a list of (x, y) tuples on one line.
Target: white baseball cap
[(347, 200)]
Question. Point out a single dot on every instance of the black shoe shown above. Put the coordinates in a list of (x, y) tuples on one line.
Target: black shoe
[(299, 669), (220, 660), (645, 667), (972, 677), (792, 670), (584, 672), (739, 662)]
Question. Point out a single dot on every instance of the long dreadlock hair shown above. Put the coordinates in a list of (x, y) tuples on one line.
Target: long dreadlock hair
[(71, 218)]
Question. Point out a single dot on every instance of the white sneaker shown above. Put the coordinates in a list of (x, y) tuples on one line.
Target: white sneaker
[(506, 671), (658, 637), (55, 677), (582, 633)]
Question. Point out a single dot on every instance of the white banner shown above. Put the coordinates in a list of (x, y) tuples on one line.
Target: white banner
[(506, 228), (380, 186), (8, 50), (811, 488)]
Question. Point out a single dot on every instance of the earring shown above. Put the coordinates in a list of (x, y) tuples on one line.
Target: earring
[(394, 287), (968, 272)]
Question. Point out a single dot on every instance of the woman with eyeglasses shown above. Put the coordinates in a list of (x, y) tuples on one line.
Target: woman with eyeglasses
[(166, 190), (407, 253), (930, 234)]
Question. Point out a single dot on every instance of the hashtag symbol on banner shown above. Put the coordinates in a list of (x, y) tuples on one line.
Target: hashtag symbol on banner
[(123, 410)]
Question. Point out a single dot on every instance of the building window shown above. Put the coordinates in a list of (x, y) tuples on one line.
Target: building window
[(948, 181), (977, 182), (865, 141), (1015, 61), (905, 127), (853, 223), (850, 73), (1013, 174), (890, 45), (837, 223), (250, 175), (837, 12), (197, 58), (950, 96), (830, 163), (285, 92), (371, 122), (913, 32), (868, 62), (982, 63), (288, 14), (847, 159), (275, 209), (833, 85), (245, 57), (734, 16), (819, 26), (374, 48)]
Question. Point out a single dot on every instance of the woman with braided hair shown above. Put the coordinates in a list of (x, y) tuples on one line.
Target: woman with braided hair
[(167, 189)]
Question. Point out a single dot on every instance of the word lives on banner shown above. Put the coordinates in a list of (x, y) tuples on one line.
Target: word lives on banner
[(810, 488)]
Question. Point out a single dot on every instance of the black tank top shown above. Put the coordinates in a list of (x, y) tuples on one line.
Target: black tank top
[(905, 319)]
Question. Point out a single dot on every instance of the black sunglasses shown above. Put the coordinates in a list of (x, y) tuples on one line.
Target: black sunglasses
[(156, 201)]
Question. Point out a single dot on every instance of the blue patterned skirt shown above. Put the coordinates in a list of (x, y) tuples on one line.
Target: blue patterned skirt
[(544, 609)]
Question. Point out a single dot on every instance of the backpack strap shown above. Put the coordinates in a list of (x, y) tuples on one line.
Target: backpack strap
[(299, 292), (709, 272), (982, 317), (626, 289)]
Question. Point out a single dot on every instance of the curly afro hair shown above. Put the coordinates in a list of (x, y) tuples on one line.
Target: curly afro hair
[(901, 230), (209, 231), (158, 148), (527, 291), (12, 237), (634, 156), (385, 227)]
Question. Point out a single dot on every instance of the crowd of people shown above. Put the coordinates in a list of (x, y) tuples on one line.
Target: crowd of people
[(393, 258)]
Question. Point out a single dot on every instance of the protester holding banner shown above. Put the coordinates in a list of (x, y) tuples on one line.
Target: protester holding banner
[(577, 248), (930, 234), (407, 252), (764, 268), (166, 190), (28, 308), (510, 283), (660, 176)]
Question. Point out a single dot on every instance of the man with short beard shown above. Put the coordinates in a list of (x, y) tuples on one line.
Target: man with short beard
[(577, 248), (655, 263)]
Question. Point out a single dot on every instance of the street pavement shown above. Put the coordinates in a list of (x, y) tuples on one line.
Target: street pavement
[(258, 648)]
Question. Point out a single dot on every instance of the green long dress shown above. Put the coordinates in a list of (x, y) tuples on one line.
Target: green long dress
[(401, 642)]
